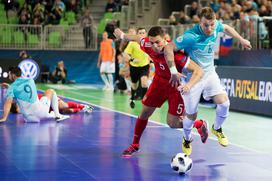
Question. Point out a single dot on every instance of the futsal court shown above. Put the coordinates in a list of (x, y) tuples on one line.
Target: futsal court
[(89, 146)]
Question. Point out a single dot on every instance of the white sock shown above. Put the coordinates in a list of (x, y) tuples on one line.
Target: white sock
[(105, 80), (222, 112), (55, 104), (128, 84), (187, 128), (110, 78)]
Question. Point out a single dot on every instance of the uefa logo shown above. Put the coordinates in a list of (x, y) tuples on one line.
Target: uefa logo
[(30, 69)]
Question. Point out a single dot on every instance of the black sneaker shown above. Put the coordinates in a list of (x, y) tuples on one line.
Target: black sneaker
[(132, 104)]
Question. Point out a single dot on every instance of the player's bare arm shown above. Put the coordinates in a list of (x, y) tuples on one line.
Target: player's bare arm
[(197, 74), (119, 34), (232, 32), (7, 107), (4, 85), (169, 57)]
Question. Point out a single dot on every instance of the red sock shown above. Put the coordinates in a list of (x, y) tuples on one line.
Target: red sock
[(198, 123), (138, 130), (74, 105)]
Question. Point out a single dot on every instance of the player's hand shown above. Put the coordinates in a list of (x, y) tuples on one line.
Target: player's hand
[(175, 79), (246, 44), (4, 85), (184, 88), (118, 33)]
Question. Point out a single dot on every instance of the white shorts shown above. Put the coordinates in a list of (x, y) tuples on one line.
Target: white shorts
[(39, 110), (209, 86), (107, 67)]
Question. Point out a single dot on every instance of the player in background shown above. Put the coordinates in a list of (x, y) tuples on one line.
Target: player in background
[(199, 43), (139, 66), (24, 91), (163, 88), (106, 61), (69, 107)]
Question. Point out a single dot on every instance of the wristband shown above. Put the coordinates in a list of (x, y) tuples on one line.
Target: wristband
[(173, 70)]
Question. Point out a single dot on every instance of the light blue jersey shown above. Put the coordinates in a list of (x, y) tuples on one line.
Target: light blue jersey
[(23, 90), (199, 46), (25, 93)]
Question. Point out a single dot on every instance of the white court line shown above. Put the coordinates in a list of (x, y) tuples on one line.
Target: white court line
[(155, 122)]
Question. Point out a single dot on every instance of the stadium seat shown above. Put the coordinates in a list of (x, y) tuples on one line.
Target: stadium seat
[(21, 2), (54, 39), (18, 37), (13, 20), (2, 7), (3, 19), (71, 17), (108, 15), (6, 37), (33, 40), (101, 26), (63, 21)]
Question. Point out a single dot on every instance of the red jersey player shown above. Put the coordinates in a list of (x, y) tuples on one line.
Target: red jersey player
[(71, 107), (163, 86)]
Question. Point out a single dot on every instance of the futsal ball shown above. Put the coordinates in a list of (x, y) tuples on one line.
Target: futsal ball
[(181, 163)]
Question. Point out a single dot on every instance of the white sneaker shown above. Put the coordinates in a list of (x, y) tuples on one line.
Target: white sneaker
[(87, 109), (62, 117)]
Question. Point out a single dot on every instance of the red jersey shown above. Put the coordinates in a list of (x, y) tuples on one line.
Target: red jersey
[(40, 95), (161, 67)]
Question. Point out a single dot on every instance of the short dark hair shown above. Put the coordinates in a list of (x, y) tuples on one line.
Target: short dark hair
[(140, 28), (16, 71), (155, 31), (207, 13)]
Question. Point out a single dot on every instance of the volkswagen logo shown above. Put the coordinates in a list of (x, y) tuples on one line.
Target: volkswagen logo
[(30, 69)]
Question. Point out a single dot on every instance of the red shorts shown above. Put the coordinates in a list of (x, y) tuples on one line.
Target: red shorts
[(161, 90)]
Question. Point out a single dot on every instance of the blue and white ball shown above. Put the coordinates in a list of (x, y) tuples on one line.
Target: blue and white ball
[(181, 163)]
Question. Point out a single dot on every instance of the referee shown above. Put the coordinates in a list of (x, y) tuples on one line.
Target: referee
[(139, 66)]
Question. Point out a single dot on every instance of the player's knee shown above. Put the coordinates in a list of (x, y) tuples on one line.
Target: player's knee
[(144, 82), (223, 109), (49, 91), (191, 116)]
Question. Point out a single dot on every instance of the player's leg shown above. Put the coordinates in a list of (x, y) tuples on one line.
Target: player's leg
[(154, 98), (144, 79), (139, 128), (70, 110), (110, 71), (215, 90), (144, 83), (176, 108), (134, 84), (62, 104), (201, 126), (104, 76), (191, 100), (52, 97), (222, 111), (110, 78)]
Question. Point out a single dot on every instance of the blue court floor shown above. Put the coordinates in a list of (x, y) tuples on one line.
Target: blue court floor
[(89, 147)]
